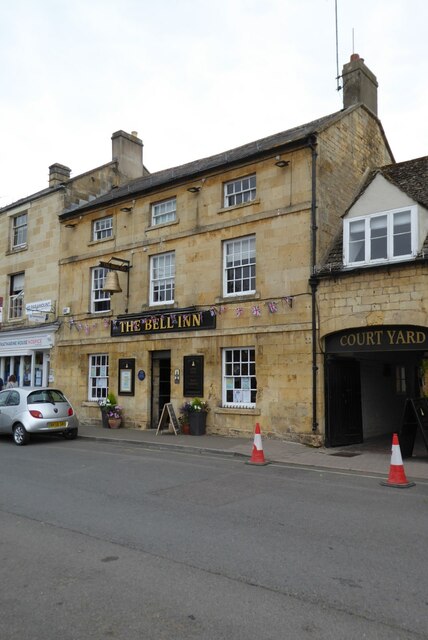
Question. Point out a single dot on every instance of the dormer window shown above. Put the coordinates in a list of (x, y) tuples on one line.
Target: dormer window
[(380, 237)]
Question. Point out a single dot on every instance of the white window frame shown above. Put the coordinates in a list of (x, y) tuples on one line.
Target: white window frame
[(239, 382), (100, 300), (164, 211), (368, 222), (19, 230), (242, 272), (16, 296), (98, 377), (162, 278), (240, 191), (102, 228)]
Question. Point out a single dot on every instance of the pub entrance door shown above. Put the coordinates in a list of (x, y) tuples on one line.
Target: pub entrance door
[(344, 423), (161, 384)]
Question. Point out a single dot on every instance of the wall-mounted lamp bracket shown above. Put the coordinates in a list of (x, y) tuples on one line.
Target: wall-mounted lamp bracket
[(128, 209), (282, 163)]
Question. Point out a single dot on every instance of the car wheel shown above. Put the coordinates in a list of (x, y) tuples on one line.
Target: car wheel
[(20, 435), (71, 434)]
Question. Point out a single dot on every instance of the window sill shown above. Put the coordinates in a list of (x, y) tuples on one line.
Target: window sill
[(90, 403), (242, 297), (237, 411), (14, 250), (238, 206), (92, 242), (159, 306), (105, 312), (379, 263), (153, 227)]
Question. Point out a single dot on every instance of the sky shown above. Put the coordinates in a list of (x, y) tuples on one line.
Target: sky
[(193, 77)]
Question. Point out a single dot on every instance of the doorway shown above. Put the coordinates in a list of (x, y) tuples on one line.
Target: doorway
[(161, 384), (366, 395), (344, 423)]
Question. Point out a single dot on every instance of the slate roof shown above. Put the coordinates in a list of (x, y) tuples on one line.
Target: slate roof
[(195, 169), (411, 177)]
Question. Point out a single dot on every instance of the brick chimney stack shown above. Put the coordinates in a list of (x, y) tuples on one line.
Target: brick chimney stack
[(359, 84), (127, 151), (58, 173)]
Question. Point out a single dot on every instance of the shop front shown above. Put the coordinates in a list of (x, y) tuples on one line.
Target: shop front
[(166, 342), (26, 354), (370, 373)]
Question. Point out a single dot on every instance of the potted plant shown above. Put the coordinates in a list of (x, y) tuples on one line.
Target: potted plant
[(114, 415), (183, 420), (196, 411), (106, 405)]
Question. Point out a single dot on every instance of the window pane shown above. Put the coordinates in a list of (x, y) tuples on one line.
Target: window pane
[(100, 299), (378, 235), (239, 383), (16, 296), (239, 191), (240, 278), (162, 278), (20, 230), (98, 377), (163, 212), (402, 242), (103, 228), (357, 241)]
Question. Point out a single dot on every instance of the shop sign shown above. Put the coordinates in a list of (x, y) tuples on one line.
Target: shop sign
[(37, 311), (34, 342), (379, 338), (163, 322)]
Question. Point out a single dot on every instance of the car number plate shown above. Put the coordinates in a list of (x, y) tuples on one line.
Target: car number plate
[(57, 424)]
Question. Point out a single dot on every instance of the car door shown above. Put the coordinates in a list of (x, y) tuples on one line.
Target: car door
[(9, 407)]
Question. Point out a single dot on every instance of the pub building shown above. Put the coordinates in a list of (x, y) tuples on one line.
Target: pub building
[(373, 294), (196, 281)]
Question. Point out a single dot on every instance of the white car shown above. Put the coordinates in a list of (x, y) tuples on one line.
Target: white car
[(43, 410)]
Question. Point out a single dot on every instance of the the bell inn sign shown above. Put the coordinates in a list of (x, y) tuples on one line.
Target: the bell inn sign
[(379, 338), (180, 320)]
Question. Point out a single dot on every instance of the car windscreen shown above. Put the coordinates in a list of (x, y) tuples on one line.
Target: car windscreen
[(46, 395)]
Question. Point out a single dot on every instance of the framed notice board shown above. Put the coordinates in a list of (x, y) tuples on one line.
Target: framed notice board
[(415, 415), (193, 384), (126, 376)]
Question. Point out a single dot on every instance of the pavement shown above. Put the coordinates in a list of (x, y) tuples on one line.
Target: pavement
[(370, 458)]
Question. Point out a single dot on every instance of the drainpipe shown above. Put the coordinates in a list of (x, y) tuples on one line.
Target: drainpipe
[(313, 282)]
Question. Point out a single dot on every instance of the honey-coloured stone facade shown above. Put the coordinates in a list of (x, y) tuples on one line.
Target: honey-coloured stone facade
[(275, 321)]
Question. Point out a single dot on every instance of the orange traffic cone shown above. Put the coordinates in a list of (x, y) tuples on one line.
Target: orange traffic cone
[(397, 477), (257, 457)]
